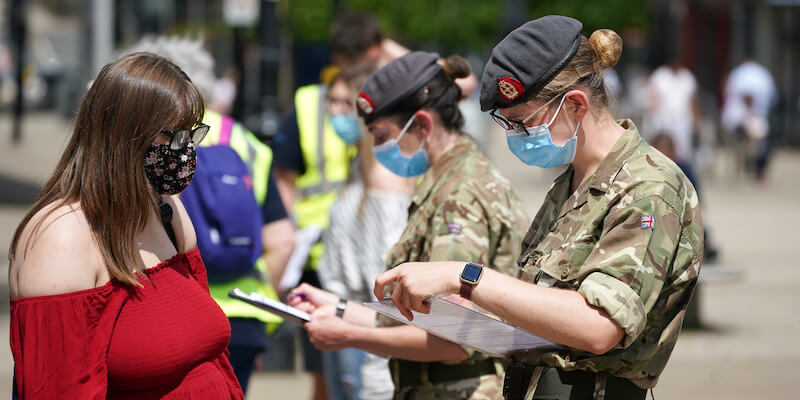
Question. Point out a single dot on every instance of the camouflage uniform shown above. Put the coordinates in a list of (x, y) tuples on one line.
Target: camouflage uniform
[(463, 210), (629, 239)]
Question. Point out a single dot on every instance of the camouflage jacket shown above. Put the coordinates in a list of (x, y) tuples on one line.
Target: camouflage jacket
[(630, 240), (462, 210)]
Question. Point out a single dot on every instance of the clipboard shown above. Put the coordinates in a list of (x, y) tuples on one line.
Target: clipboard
[(283, 310), (464, 326)]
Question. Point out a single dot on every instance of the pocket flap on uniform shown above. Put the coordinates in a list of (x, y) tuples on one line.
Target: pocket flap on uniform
[(565, 263)]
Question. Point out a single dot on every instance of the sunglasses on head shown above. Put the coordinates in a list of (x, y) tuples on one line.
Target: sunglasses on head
[(179, 138)]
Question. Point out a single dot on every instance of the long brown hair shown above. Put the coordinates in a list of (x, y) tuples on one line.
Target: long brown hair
[(102, 168)]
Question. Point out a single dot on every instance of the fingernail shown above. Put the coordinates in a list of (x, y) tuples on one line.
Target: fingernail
[(300, 295)]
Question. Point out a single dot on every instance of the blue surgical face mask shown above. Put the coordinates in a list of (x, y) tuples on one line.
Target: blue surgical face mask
[(346, 127), (390, 156), (537, 147)]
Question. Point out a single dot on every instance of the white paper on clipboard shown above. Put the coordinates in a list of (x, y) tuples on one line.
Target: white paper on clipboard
[(467, 327), (283, 310)]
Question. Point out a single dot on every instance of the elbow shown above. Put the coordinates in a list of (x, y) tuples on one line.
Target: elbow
[(285, 245), (281, 248), (605, 339), (279, 238), (598, 348), (458, 354)]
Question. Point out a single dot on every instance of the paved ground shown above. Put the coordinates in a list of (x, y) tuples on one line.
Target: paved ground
[(747, 349)]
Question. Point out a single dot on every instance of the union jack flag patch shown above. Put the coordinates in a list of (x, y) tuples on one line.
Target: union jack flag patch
[(648, 222), (454, 229)]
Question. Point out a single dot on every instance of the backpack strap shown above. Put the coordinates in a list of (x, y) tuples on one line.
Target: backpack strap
[(225, 129), (166, 220)]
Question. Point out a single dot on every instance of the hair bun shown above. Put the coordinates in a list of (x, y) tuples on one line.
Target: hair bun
[(608, 47), (456, 67)]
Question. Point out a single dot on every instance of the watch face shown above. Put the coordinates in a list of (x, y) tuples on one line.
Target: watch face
[(471, 272)]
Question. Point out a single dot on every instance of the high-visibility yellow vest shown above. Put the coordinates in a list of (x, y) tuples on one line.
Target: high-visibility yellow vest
[(258, 158), (327, 158)]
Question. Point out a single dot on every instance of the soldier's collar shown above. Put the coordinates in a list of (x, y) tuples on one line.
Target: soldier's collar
[(611, 165), (432, 178)]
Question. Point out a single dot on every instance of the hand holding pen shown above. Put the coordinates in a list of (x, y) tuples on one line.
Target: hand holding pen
[(308, 298)]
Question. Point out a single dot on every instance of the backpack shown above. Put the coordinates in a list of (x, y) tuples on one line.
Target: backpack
[(224, 211)]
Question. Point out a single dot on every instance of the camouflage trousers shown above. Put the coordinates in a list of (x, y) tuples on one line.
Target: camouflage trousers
[(486, 387)]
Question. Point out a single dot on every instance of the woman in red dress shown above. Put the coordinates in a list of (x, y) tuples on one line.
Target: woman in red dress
[(109, 297)]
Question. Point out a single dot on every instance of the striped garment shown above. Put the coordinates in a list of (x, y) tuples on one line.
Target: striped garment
[(358, 236), (361, 231)]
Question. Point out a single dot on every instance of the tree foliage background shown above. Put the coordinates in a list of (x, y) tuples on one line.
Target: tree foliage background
[(456, 25)]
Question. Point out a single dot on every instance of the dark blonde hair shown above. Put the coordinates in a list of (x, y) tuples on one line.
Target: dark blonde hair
[(102, 168), (595, 54)]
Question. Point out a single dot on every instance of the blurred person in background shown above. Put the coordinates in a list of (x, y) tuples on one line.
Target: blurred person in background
[(754, 133), (249, 325), (224, 93), (462, 209), (612, 258), (312, 162), (750, 94), (673, 108), (357, 37), (109, 298), (663, 143), (367, 218)]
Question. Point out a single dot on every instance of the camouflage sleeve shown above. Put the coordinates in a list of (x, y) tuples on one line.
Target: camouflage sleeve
[(460, 230), (631, 260)]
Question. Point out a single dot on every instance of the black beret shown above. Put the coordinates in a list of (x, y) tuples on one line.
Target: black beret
[(393, 83), (525, 60)]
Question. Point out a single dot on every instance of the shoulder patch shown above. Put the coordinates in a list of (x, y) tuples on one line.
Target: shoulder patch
[(454, 228)]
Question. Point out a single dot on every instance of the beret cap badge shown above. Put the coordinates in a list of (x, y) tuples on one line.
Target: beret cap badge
[(509, 88), (365, 103)]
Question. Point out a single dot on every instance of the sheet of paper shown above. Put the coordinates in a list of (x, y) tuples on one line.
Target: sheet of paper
[(303, 240), (470, 328), (283, 310)]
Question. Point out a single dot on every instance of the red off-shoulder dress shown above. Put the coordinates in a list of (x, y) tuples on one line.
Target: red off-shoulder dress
[(166, 340)]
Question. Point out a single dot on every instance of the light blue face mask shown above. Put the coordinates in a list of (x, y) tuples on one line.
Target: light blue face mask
[(390, 156), (346, 127), (537, 147)]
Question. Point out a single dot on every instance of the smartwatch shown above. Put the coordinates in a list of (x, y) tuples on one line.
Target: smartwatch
[(469, 278), (340, 307)]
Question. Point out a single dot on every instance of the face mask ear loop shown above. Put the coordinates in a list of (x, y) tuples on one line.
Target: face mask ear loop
[(561, 103), (405, 128)]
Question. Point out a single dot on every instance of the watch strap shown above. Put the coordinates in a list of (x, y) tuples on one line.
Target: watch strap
[(465, 291)]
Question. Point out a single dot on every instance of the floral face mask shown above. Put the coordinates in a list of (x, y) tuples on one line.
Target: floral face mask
[(170, 171)]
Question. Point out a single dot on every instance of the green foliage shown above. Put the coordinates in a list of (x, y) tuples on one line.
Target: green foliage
[(309, 20), (595, 14), (455, 25), (450, 24)]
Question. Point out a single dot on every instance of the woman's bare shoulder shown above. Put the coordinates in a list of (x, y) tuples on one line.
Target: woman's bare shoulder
[(55, 254)]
